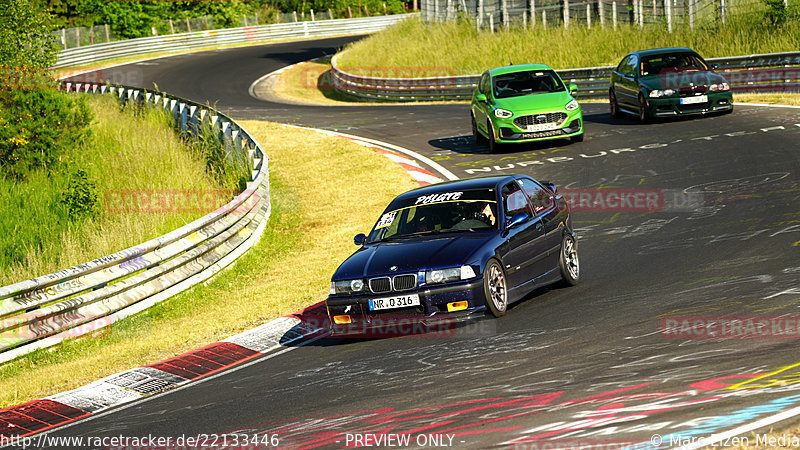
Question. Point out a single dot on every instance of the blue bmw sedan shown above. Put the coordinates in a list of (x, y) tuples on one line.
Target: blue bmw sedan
[(456, 248)]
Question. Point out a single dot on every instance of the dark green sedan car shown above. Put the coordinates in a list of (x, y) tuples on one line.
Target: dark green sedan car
[(524, 103), (667, 82)]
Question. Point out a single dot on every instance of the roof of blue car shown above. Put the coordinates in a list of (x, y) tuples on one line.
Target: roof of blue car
[(468, 184)]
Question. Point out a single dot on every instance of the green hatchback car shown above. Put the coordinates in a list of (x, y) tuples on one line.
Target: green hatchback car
[(524, 103)]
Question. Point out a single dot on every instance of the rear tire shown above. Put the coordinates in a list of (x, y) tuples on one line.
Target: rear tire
[(568, 261), (495, 288)]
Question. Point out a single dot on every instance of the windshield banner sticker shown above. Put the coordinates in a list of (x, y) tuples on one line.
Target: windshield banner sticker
[(435, 198)]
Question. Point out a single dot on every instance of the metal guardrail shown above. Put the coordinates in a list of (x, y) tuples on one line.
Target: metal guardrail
[(233, 36), (774, 72), (42, 311)]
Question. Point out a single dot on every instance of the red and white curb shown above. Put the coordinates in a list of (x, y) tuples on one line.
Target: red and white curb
[(135, 384), (410, 160)]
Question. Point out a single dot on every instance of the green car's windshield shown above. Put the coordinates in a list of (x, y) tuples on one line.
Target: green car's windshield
[(671, 62), (526, 83), (435, 218)]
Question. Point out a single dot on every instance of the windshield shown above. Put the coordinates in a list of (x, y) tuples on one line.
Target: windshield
[(435, 218), (671, 62), (526, 83)]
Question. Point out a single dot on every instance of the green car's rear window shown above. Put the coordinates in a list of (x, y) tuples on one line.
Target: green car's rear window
[(526, 83)]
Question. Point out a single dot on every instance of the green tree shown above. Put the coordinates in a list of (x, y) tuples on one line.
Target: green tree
[(25, 39)]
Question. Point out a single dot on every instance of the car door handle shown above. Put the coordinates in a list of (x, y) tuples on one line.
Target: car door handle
[(539, 226)]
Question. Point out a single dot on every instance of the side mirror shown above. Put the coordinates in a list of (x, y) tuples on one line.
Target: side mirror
[(517, 219), (628, 74), (480, 98), (714, 66), (573, 88), (360, 239), (550, 186)]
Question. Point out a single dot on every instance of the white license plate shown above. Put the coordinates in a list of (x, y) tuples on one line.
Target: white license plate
[(693, 100), (401, 301), (543, 126)]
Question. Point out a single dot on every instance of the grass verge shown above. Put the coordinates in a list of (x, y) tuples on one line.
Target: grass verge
[(416, 48), (34, 225), (321, 198)]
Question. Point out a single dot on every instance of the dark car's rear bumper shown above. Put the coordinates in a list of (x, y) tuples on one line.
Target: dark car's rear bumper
[(433, 305)]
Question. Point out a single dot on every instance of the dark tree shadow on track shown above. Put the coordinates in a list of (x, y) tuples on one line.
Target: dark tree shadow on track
[(466, 145)]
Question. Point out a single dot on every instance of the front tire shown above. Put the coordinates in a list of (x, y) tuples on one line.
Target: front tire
[(477, 137), (495, 288), (568, 261), (577, 138), (644, 111), (493, 145), (612, 101)]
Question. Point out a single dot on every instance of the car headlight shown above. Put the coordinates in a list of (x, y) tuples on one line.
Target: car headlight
[(661, 93), (502, 113), (572, 105), (447, 275), (347, 286), (720, 87)]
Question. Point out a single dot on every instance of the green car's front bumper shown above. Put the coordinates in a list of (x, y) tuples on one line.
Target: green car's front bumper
[(524, 127), (672, 106)]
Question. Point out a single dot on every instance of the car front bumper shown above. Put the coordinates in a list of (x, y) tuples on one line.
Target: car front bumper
[(509, 132), (434, 302), (671, 106)]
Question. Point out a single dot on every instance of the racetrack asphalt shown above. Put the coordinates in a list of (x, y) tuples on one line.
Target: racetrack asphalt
[(587, 365)]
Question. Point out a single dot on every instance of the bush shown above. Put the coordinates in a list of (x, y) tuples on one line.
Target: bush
[(37, 126), (24, 35), (80, 198)]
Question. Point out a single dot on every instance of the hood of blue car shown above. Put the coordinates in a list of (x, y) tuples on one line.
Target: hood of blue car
[(533, 103), (411, 255)]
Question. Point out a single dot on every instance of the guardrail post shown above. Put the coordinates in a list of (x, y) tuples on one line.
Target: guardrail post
[(532, 6), (589, 15), (506, 19), (668, 13), (566, 14), (614, 13), (480, 14), (183, 119), (600, 12), (544, 19)]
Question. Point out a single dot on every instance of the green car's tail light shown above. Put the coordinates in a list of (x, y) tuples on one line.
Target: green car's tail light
[(572, 105), (502, 113)]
